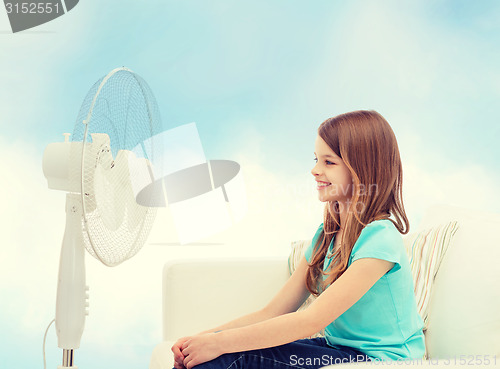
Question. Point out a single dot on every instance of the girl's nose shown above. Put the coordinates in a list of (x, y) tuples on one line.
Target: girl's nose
[(315, 171)]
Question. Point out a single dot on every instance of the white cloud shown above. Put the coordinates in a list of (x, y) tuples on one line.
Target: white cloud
[(470, 186), (433, 176)]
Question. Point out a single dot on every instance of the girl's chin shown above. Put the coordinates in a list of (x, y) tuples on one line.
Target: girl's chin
[(325, 198)]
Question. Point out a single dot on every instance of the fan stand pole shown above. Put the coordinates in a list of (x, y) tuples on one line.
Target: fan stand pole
[(72, 293), (67, 358)]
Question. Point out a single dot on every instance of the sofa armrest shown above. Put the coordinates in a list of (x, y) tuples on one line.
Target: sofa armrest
[(201, 294)]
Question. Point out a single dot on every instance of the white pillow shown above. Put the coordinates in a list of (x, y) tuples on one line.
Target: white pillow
[(426, 250)]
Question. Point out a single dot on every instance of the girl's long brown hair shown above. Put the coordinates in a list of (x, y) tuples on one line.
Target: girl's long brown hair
[(367, 145)]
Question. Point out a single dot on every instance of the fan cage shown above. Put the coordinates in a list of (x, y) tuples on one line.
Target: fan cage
[(122, 106)]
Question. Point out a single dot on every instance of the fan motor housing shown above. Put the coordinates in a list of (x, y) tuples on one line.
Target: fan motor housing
[(56, 166)]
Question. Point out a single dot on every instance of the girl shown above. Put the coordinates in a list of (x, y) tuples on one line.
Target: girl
[(356, 265)]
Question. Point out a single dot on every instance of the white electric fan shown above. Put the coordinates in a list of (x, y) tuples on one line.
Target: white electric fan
[(102, 168)]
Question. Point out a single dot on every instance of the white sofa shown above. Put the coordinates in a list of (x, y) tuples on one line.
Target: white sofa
[(464, 310)]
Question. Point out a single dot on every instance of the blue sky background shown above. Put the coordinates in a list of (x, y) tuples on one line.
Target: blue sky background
[(257, 77)]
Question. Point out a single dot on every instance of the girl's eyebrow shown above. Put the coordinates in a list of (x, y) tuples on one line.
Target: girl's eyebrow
[(327, 156)]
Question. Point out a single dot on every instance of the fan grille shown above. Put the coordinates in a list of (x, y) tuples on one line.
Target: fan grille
[(115, 227)]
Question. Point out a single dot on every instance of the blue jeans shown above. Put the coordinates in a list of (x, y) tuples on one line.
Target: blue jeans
[(308, 353)]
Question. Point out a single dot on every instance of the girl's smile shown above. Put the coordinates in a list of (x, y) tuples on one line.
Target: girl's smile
[(322, 185)]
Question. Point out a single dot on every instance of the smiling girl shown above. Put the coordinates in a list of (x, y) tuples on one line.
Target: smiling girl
[(356, 265)]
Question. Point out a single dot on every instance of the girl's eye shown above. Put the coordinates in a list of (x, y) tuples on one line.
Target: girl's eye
[(327, 162)]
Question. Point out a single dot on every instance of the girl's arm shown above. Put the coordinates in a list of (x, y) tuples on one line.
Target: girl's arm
[(333, 302)]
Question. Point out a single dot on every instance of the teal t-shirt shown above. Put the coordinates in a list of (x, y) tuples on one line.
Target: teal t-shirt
[(384, 323)]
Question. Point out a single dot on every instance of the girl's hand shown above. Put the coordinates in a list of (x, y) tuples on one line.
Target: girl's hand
[(200, 348), (178, 356)]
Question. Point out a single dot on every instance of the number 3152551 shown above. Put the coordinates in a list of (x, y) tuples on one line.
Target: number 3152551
[(33, 8)]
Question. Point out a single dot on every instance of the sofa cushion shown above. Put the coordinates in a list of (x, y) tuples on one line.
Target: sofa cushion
[(426, 250)]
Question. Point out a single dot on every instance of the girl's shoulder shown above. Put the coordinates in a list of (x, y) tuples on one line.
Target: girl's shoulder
[(380, 239), (381, 224), (382, 228)]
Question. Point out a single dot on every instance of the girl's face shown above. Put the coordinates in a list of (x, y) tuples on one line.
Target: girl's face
[(331, 174)]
